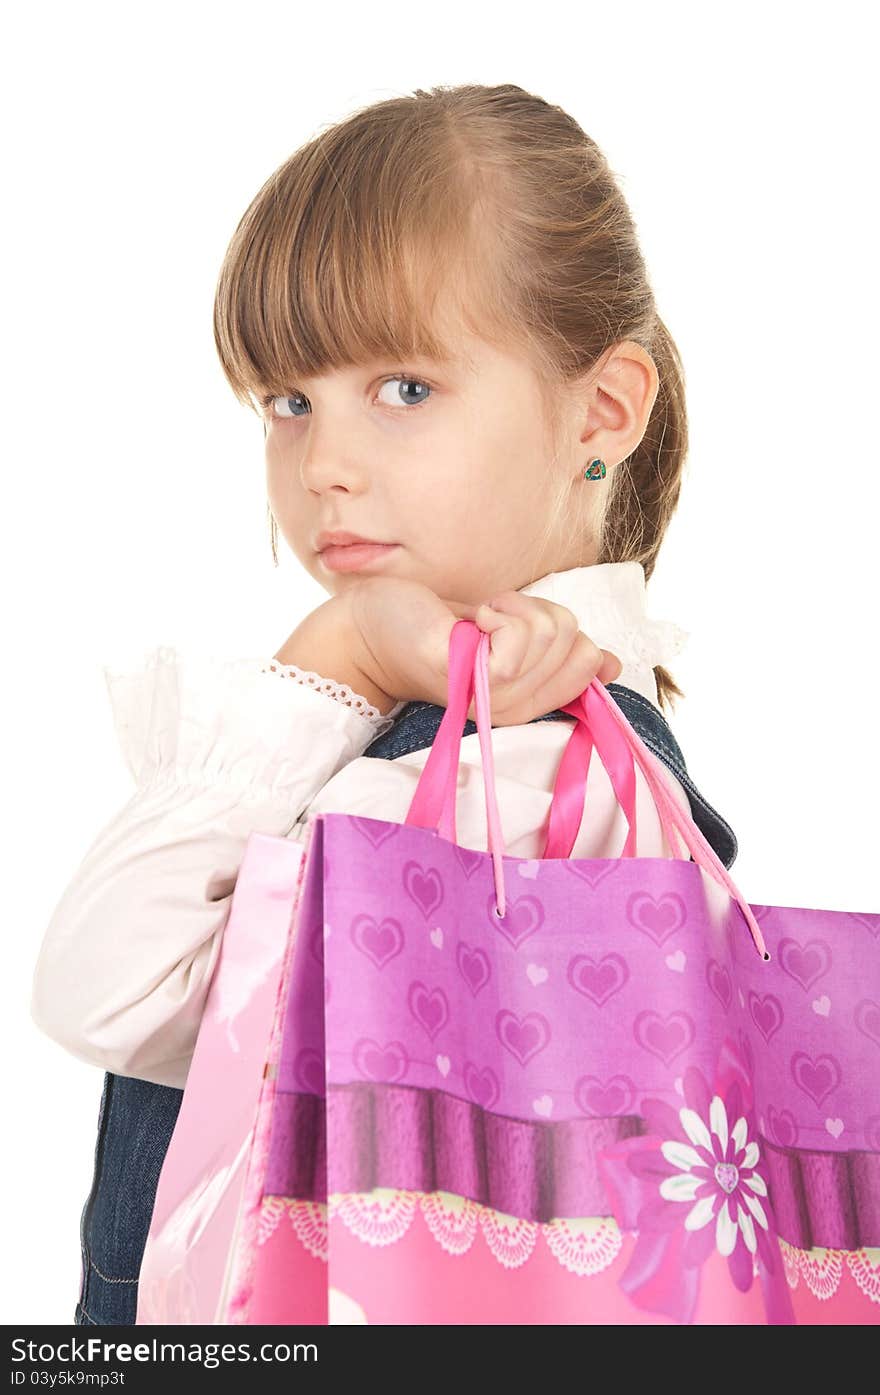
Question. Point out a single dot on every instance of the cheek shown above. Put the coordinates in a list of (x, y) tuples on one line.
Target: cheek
[(512, 456), (282, 481), (273, 463)]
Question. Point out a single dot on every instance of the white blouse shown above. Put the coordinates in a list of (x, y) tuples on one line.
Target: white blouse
[(222, 747)]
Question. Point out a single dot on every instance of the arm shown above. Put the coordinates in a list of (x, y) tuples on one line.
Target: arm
[(219, 749), (326, 642)]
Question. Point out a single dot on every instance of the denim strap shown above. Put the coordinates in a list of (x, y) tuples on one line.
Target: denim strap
[(416, 726)]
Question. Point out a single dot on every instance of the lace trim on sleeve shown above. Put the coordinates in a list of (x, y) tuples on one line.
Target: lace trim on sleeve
[(340, 692), (649, 643), (200, 719)]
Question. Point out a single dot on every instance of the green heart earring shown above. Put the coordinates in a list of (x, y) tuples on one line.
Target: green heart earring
[(595, 470)]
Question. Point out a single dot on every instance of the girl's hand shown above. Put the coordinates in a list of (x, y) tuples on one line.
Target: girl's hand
[(538, 658)]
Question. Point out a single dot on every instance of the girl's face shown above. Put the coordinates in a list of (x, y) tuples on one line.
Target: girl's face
[(452, 462)]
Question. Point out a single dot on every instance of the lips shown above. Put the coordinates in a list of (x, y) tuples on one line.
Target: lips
[(342, 538), (355, 557)]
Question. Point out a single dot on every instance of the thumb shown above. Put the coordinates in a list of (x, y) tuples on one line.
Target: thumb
[(488, 618), (460, 609)]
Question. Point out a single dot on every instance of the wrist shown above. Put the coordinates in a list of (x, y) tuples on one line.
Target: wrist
[(323, 644)]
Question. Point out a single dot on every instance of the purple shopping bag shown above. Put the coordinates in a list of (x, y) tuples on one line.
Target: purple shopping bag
[(557, 1090)]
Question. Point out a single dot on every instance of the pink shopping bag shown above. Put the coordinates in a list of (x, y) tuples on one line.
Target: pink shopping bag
[(439, 1085)]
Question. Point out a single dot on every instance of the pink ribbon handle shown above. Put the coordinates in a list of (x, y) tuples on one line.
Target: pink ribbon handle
[(433, 803), (570, 788), (653, 770)]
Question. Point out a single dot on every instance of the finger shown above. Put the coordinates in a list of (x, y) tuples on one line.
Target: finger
[(573, 677), (552, 632), (612, 667), (510, 640), (508, 645), (518, 651), (541, 623), (434, 646)]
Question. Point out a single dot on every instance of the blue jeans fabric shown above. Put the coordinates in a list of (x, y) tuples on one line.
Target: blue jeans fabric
[(135, 1123), (416, 726), (136, 1118)]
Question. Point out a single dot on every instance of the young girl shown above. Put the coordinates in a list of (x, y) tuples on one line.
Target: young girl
[(441, 313)]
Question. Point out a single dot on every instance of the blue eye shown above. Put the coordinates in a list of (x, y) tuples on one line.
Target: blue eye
[(409, 382), (288, 408)]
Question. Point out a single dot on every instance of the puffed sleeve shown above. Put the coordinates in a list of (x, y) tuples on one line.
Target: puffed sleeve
[(640, 643), (218, 748)]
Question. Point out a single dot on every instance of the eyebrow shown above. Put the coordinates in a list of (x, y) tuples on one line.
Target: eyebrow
[(448, 361)]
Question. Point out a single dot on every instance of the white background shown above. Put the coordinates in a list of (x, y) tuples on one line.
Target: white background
[(135, 138)]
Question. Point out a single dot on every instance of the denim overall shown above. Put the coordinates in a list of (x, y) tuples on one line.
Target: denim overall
[(136, 1117)]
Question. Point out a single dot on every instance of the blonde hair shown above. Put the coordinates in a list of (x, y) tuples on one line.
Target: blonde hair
[(489, 194)]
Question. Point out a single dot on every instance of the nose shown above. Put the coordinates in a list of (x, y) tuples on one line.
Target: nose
[(332, 458)]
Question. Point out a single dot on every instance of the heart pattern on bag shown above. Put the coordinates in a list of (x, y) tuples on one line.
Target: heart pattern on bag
[(473, 965), (523, 916), (665, 1037), (805, 963), (424, 886), (658, 917), (593, 946), (380, 942), (600, 980), (523, 1037)]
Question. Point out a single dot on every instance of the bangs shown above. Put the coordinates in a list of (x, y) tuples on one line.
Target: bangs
[(337, 264)]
